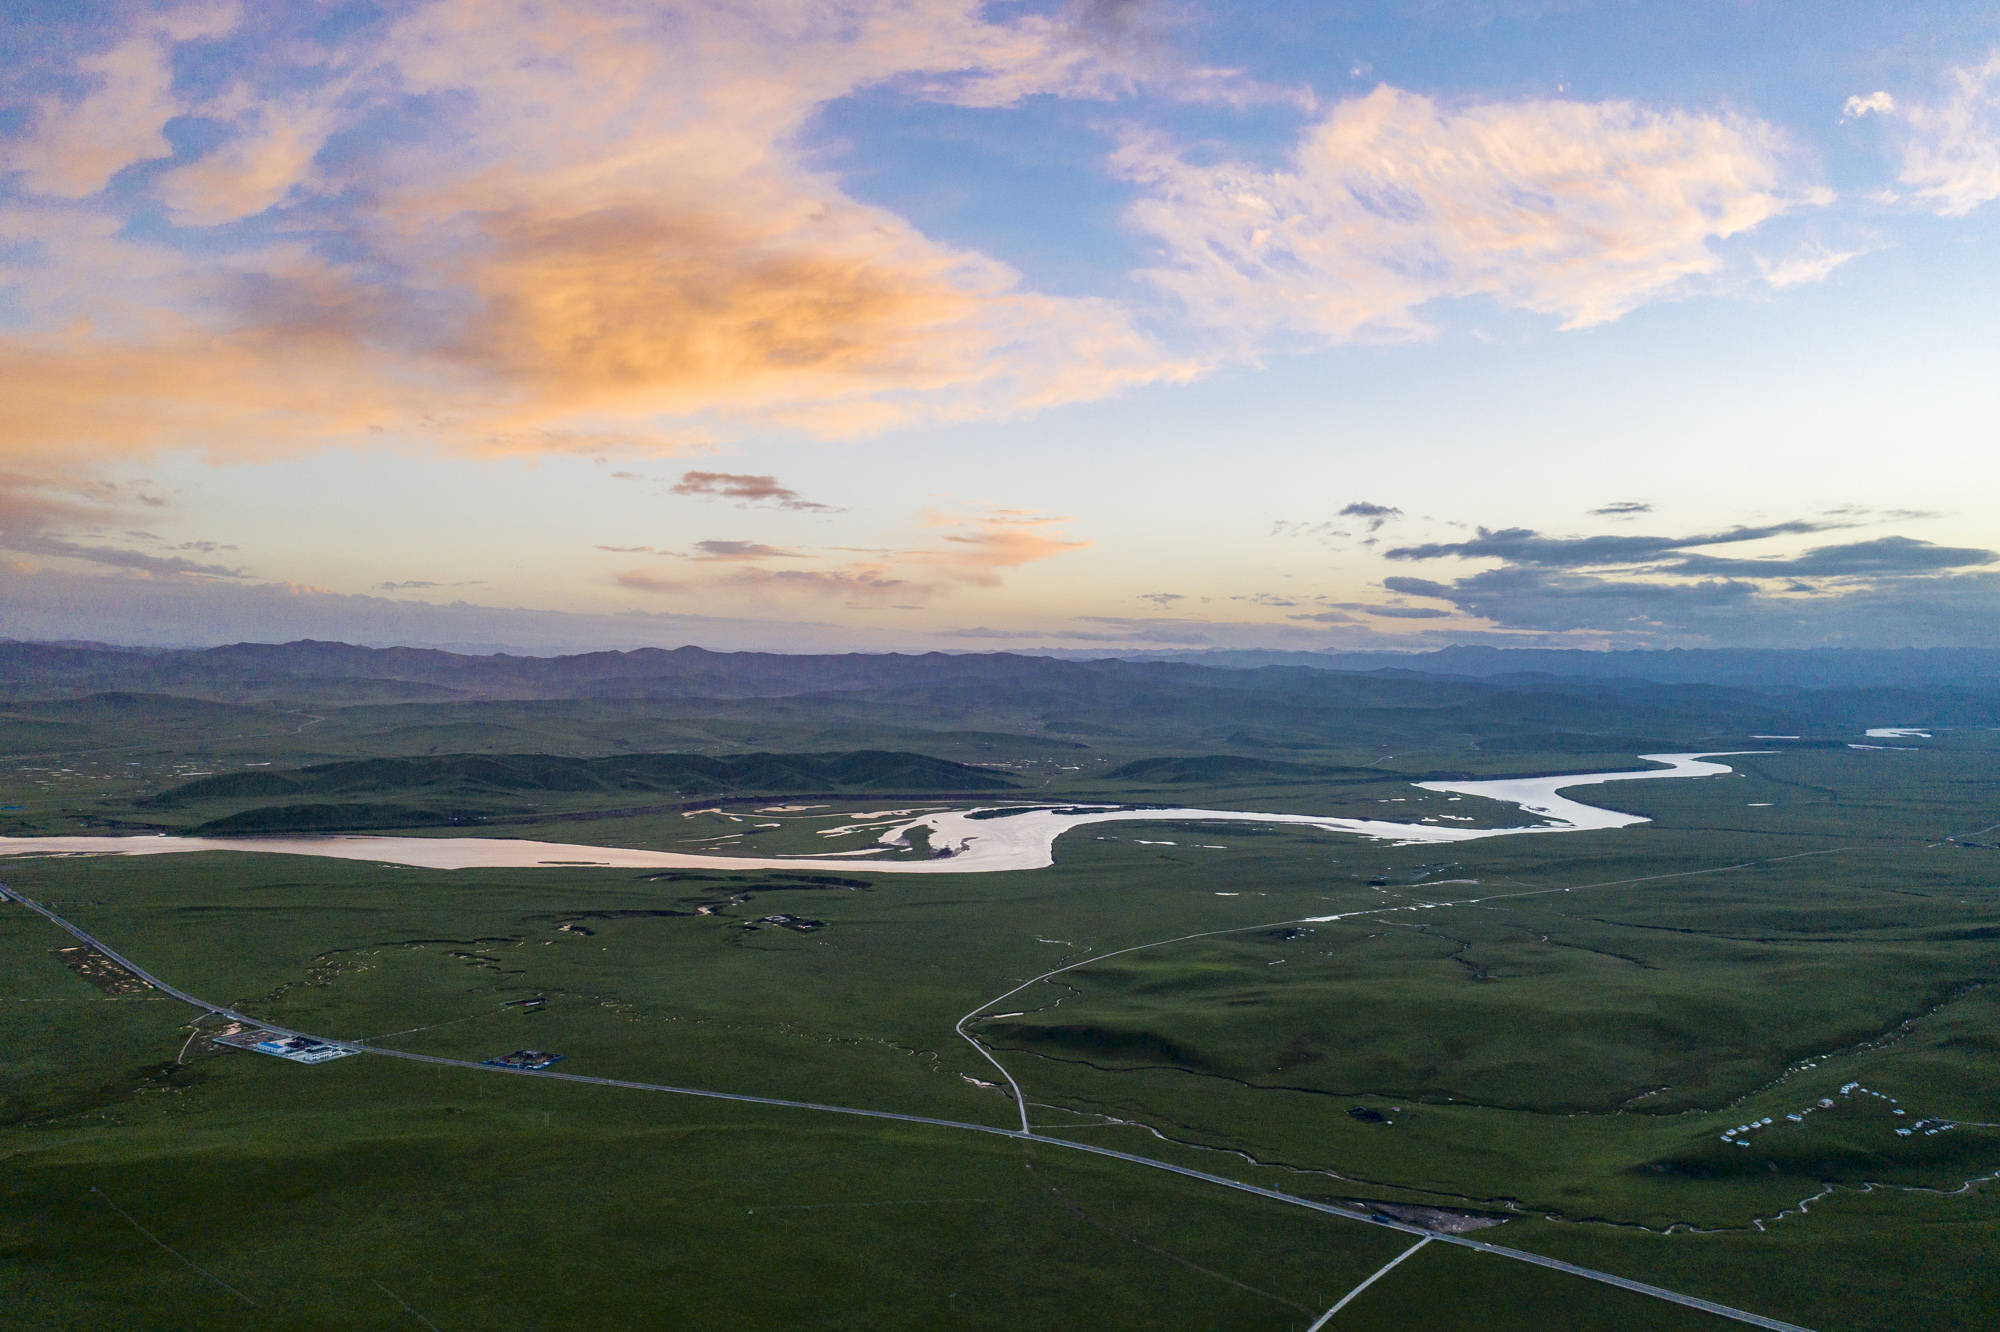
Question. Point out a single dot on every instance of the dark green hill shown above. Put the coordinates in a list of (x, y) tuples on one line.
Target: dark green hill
[(347, 817), (1219, 769), (468, 776)]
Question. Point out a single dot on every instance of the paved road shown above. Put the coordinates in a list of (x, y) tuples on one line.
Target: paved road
[(1366, 1282), (1021, 1100), (8, 894), (993, 1130)]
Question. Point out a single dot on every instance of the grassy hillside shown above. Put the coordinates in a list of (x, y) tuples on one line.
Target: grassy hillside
[(672, 774), (1553, 1031), (453, 789), (1206, 769)]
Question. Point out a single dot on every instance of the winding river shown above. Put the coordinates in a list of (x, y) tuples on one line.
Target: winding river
[(968, 841)]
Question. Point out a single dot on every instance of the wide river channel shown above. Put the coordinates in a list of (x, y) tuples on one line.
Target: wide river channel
[(967, 841)]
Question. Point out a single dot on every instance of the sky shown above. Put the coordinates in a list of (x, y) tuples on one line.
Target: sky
[(1102, 325)]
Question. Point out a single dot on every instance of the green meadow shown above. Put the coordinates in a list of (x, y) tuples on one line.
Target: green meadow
[(1551, 1038)]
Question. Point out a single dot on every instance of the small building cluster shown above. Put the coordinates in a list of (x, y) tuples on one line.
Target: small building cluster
[(786, 921), (1740, 1135), (298, 1049), (523, 1059), (1929, 1128)]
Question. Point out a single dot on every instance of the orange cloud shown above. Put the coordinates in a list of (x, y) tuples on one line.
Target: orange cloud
[(642, 310), (639, 580), (599, 236), (996, 543), (860, 584), (755, 303), (976, 555), (83, 399)]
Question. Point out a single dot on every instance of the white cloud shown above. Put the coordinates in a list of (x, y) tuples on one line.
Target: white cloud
[(263, 161), (1875, 103), (1086, 49), (1951, 157), (75, 144), (1811, 262), (1580, 210)]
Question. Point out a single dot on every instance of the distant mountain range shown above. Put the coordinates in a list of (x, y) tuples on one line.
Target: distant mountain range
[(265, 669), (1797, 668), (429, 738), (246, 670), (1499, 701)]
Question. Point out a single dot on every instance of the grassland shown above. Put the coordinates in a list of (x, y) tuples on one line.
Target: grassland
[(1554, 1032)]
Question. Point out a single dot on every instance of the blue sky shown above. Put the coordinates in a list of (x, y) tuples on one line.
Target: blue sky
[(1094, 325)]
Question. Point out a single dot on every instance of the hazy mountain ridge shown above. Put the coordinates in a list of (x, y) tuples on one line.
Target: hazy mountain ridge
[(1177, 705), (429, 673), (68, 668), (1804, 668)]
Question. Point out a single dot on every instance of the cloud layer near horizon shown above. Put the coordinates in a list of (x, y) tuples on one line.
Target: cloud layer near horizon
[(1670, 588), (973, 553)]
